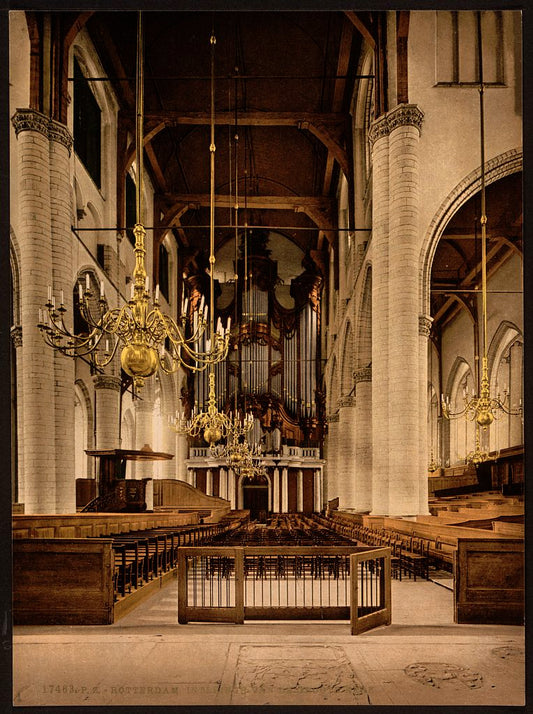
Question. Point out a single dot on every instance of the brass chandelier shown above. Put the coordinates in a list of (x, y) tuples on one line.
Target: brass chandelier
[(148, 338), (212, 424), (482, 409)]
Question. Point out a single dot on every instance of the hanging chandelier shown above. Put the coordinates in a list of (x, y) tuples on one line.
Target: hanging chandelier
[(211, 424), (148, 339), (482, 409)]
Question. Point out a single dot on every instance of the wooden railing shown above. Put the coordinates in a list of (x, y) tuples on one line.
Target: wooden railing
[(231, 584)]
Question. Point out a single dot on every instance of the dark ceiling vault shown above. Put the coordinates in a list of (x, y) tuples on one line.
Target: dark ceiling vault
[(284, 82)]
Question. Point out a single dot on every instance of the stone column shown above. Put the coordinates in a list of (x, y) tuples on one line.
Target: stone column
[(107, 396), (424, 328), (38, 481), (395, 303), (345, 462), (316, 490), (331, 461), (209, 482), (379, 137), (182, 453), (300, 490), (363, 439), (60, 214), (223, 483), (231, 489), (144, 422), (405, 421), (515, 391), (275, 489), (16, 338), (285, 490)]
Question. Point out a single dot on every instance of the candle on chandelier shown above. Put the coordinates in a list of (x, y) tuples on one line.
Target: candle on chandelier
[(49, 293), (62, 302), (80, 292), (101, 288), (132, 291), (87, 282), (156, 299)]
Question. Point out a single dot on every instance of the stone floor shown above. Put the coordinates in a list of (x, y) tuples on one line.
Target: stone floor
[(147, 658)]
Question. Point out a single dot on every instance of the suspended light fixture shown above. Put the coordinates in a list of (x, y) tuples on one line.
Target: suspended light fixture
[(149, 339), (236, 450), (212, 424), (482, 409)]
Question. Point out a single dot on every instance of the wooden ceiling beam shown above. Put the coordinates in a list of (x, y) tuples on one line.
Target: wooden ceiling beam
[(361, 27), (177, 118)]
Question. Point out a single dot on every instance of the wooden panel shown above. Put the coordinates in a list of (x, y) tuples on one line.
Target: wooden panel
[(292, 489), (201, 478), (62, 582), (489, 582), (308, 486)]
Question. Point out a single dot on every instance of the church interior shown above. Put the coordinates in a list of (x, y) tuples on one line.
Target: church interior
[(267, 335)]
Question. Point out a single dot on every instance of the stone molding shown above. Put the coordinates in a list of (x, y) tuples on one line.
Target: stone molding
[(32, 120), (16, 335), (59, 132), (402, 115), (363, 375), (107, 381), (348, 401), (424, 325)]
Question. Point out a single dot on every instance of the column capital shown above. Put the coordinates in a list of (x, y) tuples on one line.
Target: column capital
[(32, 120), (402, 115), (60, 133), (424, 325), (16, 335), (107, 381), (364, 374), (405, 115), (379, 129), (348, 401)]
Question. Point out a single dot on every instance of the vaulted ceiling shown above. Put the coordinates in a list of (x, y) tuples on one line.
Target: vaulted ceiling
[(284, 82)]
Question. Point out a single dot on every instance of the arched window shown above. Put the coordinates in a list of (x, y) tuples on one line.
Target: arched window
[(163, 277), (87, 126)]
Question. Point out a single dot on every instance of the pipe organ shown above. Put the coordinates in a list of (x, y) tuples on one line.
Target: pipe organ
[(273, 366)]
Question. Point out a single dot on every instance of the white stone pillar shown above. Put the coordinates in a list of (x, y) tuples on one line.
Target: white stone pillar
[(37, 482), (424, 328), (107, 396), (316, 490), (515, 390), (149, 495), (285, 490), (231, 489), (395, 307), (379, 136), (363, 440), (209, 482), (223, 483), (144, 423), (406, 479), (299, 490), (182, 452), (60, 215), (345, 461), (275, 488), (16, 337), (332, 457)]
